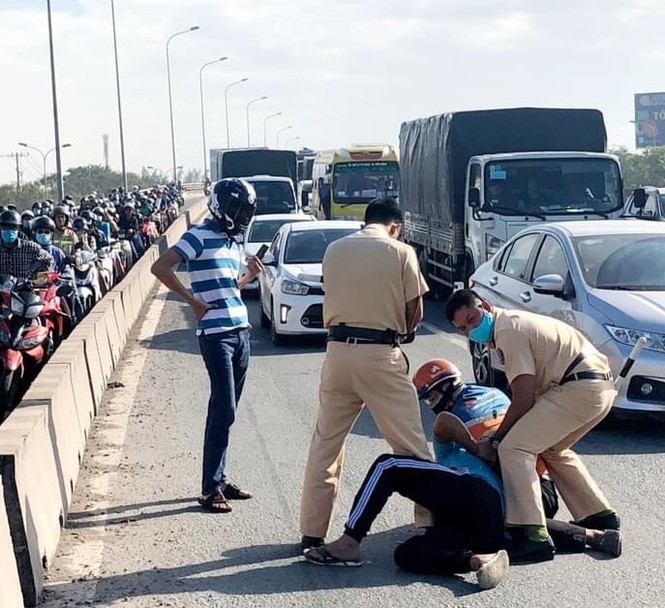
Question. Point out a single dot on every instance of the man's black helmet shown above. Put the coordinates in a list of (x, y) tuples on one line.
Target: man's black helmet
[(10, 218), (86, 214), (80, 225), (61, 210), (27, 213), (43, 222), (233, 203)]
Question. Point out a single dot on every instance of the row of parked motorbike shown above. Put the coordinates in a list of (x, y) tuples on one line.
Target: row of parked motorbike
[(37, 314)]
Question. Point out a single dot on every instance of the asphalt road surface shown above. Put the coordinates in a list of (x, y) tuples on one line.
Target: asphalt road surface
[(136, 537)]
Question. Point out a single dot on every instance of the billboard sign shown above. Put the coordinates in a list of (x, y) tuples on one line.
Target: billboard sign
[(649, 120)]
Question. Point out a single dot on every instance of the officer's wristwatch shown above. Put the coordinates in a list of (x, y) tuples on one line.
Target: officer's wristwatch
[(495, 440)]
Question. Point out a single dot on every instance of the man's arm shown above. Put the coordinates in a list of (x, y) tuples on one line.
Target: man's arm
[(162, 268), (414, 314), (43, 261), (254, 267), (523, 397)]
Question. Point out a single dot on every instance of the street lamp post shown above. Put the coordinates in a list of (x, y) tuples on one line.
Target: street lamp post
[(247, 111), (54, 94), (226, 108), (44, 157), (265, 127), (117, 85), (168, 77), (281, 131), (288, 141), (203, 122)]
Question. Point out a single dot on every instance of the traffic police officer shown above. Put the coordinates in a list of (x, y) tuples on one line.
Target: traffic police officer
[(561, 388), (373, 299)]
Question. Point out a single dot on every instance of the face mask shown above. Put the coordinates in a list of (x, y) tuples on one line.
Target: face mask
[(482, 333), (44, 238), (8, 236)]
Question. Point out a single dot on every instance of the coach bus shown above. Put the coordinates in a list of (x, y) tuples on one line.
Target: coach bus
[(345, 180)]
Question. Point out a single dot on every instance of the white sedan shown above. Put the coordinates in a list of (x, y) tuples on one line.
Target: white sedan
[(290, 287), (603, 277), (261, 231)]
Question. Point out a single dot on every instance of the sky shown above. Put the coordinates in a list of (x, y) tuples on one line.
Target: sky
[(340, 71)]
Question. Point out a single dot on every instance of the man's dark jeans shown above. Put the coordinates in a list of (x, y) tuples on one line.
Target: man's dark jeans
[(226, 356)]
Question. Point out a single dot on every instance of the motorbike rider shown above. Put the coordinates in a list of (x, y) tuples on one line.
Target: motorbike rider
[(63, 236), (19, 257), (93, 231), (129, 224), (44, 227), (27, 218)]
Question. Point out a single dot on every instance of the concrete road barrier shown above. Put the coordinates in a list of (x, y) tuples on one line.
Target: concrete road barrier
[(43, 440), (32, 495), (10, 586)]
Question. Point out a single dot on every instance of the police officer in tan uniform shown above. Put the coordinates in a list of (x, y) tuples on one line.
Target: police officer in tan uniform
[(373, 299), (561, 388)]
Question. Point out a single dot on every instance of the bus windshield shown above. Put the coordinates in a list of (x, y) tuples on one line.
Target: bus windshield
[(360, 182), (553, 186)]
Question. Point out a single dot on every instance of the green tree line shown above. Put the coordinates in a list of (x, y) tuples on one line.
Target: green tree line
[(80, 181)]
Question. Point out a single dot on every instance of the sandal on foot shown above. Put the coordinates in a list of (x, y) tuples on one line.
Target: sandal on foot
[(215, 503), (494, 571), (232, 492), (322, 557)]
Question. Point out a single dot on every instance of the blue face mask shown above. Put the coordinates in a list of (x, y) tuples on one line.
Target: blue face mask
[(44, 238), (482, 333), (8, 236)]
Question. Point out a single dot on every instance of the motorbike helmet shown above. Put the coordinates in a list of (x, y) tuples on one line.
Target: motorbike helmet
[(86, 214), (61, 210), (43, 222), (232, 203), (9, 217), (437, 382), (27, 214), (80, 225)]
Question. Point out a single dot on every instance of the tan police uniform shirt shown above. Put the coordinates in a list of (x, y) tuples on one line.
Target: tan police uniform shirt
[(543, 347), (368, 278)]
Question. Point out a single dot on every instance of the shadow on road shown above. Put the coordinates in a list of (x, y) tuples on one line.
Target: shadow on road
[(625, 437), (366, 427), (266, 569)]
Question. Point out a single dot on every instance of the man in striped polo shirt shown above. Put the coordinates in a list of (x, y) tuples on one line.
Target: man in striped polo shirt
[(212, 255)]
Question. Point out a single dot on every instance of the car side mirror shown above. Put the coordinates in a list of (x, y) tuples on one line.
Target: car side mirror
[(474, 198), (269, 259), (550, 285), (639, 198)]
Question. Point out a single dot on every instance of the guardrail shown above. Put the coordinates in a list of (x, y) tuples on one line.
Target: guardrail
[(43, 440)]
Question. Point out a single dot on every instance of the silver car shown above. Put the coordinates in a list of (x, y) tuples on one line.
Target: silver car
[(604, 277)]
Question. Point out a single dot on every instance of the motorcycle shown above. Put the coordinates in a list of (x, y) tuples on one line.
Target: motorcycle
[(87, 280), (148, 231), (25, 340)]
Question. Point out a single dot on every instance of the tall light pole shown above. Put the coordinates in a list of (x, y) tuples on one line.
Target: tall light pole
[(288, 141), (56, 126), (226, 108), (44, 157), (281, 131), (168, 77), (247, 111), (265, 127), (203, 122), (117, 86)]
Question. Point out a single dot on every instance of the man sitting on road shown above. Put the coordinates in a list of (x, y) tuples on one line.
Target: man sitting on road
[(463, 492)]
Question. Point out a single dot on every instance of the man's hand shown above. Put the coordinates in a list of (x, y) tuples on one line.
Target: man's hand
[(201, 308), (486, 451), (254, 266)]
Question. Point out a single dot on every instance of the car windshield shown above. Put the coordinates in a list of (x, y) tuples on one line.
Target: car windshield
[(360, 182), (274, 197), (553, 186), (308, 246), (263, 231), (628, 262)]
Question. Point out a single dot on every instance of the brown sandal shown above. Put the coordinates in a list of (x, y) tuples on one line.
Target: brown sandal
[(215, 503)]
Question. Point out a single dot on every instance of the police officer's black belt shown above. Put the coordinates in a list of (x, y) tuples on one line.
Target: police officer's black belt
[(584, 375), (362, 335)]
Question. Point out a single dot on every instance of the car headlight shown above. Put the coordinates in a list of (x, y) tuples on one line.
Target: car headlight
[(629, 337), (492, 245), (294, 288)]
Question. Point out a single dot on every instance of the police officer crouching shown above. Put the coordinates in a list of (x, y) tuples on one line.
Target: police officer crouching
[(373, 300)]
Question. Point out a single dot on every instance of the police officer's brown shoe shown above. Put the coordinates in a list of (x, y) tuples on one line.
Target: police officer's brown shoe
[(600, 521), (529, 551), (308, 542)]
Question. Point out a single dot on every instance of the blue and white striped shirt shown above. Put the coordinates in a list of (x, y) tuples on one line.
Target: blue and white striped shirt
[(213, 262)]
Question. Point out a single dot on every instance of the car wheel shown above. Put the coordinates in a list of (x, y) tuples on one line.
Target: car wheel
[(482, 363), (276, 338), (265, 321)]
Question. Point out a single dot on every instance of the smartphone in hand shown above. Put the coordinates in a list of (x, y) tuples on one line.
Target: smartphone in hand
[(261, 252)]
